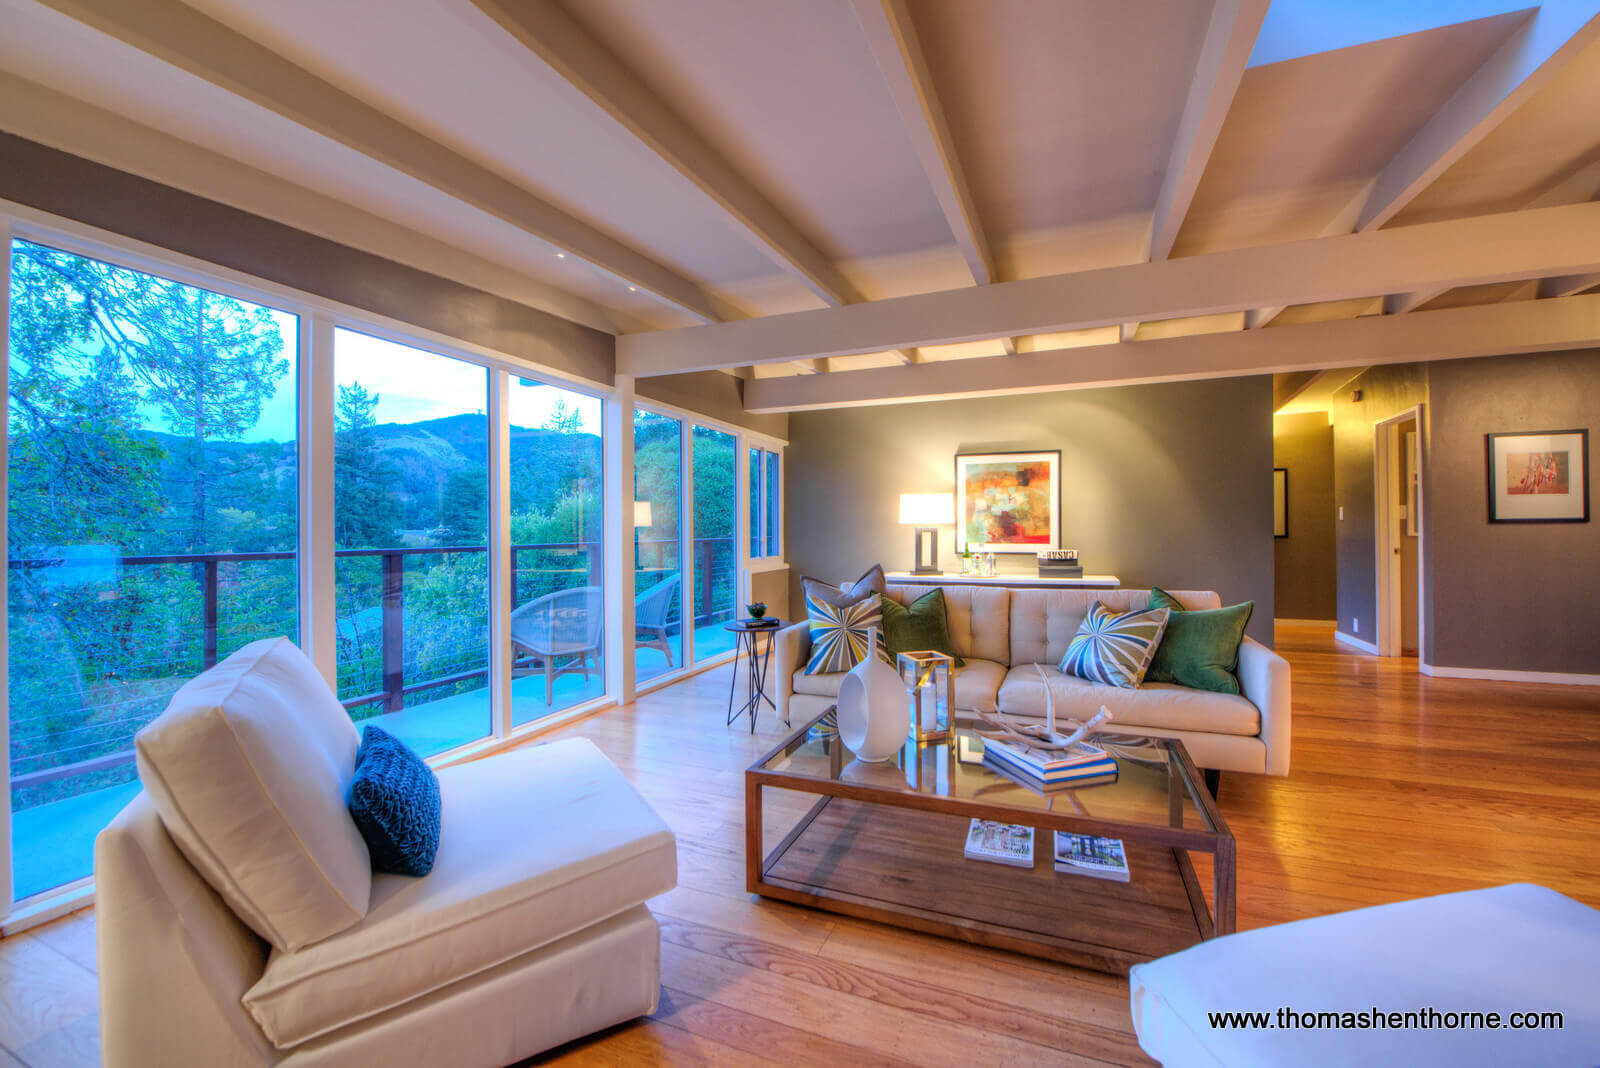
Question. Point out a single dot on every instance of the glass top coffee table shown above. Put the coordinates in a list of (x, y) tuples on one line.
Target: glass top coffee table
[(886, 842)]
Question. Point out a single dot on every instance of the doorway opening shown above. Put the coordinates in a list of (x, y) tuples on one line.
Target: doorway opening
[(1399, 457)]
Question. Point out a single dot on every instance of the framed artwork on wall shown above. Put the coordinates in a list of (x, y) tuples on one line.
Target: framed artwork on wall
[(1008, 502), (1280, 502), (1538, 478)]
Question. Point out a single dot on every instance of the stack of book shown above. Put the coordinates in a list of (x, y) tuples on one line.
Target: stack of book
[(1084, 854), (1051, 769)]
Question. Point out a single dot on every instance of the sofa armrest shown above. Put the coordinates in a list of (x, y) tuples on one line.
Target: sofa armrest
[(794, 649), (1264, 677)]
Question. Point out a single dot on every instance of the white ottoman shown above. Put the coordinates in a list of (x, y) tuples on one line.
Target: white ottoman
[(1510, 949)]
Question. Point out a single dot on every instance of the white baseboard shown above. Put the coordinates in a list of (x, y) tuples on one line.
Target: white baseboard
[(1307, 622), (1354, 642), (1559, 678)]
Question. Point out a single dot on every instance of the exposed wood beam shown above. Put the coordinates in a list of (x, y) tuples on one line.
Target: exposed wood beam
[(1127, 331), (1553, 35), (1483, 249), (1452, 333), (1230, 36), (178, 34), (1580, 185), (892, 37), (1567, 285), (568, 48)]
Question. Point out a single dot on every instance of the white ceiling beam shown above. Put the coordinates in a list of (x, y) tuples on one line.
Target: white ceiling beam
[(1453, 333), (178, 34), (1230, 37), (1567, 285), (1482, 249), (892, 38), (1581, 184), (1553, 35)]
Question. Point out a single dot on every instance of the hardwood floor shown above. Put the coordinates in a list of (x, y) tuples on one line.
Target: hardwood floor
[(1402, 786)]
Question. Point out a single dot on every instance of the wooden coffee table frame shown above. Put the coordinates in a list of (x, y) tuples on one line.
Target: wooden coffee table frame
[(1094, 907)]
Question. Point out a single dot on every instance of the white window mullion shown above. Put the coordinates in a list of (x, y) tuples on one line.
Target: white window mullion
[(688, 567), (617, 448), (318, 611), (7, 889), (502, 572)]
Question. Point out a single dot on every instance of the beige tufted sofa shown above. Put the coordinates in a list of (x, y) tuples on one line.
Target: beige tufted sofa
[(1002, 632)]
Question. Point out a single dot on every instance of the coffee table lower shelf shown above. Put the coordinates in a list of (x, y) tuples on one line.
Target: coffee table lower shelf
[(907, 868)]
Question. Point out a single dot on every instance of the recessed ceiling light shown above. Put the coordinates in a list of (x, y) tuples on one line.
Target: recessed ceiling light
[(561, 255), (633, 289)]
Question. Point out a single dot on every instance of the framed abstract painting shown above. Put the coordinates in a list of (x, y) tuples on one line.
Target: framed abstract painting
[(1538, 478), (1008, 502)]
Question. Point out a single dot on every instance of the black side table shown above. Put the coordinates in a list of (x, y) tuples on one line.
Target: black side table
[(756, 663)]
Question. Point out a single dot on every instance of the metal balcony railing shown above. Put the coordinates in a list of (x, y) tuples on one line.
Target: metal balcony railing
[(712, 600)]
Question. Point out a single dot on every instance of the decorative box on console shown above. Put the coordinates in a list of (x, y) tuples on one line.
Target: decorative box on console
[(1059, 563)]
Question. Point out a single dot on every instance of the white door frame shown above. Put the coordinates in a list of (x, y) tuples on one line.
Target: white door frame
[(1386, 452)]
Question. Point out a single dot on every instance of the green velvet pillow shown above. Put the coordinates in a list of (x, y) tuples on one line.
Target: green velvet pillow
[(1199, 649), (920, 625)]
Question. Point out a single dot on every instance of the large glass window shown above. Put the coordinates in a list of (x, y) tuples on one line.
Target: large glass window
[(558, 600), (411, 507), (766, 504), (716, 561), (152, 525), (657, 543)]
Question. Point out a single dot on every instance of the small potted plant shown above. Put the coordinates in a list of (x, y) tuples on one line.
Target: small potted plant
[(758, 610)]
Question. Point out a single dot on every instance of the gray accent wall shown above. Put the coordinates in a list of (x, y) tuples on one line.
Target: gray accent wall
[(75, 188), (1304, 584), (1167, 484), (1512, 596)]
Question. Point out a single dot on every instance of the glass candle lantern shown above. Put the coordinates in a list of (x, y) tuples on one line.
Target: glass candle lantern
[(929, 679)]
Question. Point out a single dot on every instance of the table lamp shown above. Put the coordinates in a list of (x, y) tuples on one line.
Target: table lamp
[(927, 512), (641, 514)]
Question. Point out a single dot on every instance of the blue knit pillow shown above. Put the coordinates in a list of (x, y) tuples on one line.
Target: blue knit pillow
[(394, 799)]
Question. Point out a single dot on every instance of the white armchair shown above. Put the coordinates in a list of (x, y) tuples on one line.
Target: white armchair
[(565, 625)]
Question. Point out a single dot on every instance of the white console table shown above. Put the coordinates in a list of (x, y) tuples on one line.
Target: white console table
[(1087, 582)]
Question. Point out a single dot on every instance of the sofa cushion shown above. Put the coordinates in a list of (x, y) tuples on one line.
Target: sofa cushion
[(976, 685), (1154, 704), (536, 844), (841, 635), (248, 768), (1043, 621), (394, 799), (979, 618), (1115, 647), (1199, 648), (923, 625), (871, 581)]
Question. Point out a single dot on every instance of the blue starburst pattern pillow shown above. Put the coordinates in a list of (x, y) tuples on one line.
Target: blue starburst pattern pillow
[(840, 633), (394, 799), (1115, 649)]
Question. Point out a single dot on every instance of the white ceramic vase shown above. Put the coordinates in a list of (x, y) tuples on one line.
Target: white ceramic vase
[(873, 717)]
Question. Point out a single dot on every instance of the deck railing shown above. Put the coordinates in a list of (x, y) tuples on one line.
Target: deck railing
[(713, 586)]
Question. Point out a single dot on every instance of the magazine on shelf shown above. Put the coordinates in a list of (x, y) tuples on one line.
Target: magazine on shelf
[(1000, 843), (1080, 762), (1084, 854)]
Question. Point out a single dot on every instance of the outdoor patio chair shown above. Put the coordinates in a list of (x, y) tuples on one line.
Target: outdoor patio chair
[(561, 626), (651, 610)]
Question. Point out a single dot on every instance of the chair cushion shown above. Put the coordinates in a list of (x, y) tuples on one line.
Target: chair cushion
[(1506, 949), (394, 799), (977, 685), (1199, 648), (248, 768), (921, 625), (1155, 704), (536, 844), (1115, 648)]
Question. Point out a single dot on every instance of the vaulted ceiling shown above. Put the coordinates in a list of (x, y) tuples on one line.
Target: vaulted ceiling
[(655, 166)]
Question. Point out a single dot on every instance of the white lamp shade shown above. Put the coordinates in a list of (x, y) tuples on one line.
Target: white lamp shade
[(927, 509), (641, 514)]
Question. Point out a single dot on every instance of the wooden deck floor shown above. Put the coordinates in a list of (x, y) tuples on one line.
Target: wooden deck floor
[(1402, 786)]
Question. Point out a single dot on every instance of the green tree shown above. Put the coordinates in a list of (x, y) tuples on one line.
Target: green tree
[(367, 512), (564, 419)]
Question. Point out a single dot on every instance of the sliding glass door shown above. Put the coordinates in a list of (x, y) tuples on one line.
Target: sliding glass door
[(152, 525), (557, 484), (411, 507), (657, 544), (716, 555)]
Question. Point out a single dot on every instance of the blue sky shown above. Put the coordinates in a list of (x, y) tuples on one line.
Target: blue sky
[(1295, 28)]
